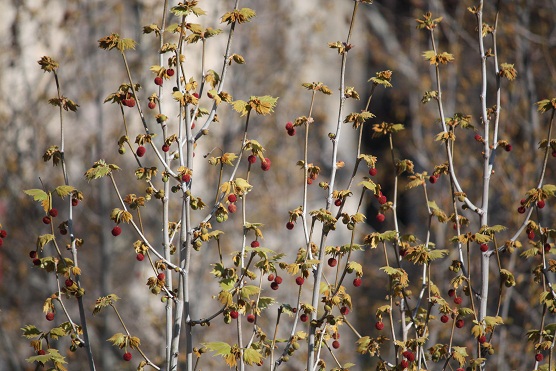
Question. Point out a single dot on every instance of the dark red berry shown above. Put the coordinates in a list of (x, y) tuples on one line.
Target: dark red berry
[(482, 339), (451, 293), (278, 280), (309, 181), (478, 138), (74, 202), (540, 204), (522, 201), (251, 318), (32, 254), (484, 247), (380, 217), (63, 231), (46, 220), (344, 311), (372, 171), (161, 276), (382, 199), (444, 318), (255, 243), (50, 316), (335, 344), (41, 352), (531, 235), (186, 177), (460, 323), (232, 208), (338, 202), (116, 231), (539, 357), (458, 300), (141, 151), (53, 212), (271, 277), (158, 81), (196, 95), (170, 72), (165, 148), (36, 261), (232, 197), (508, 147), (252, 159), (265, 164), (546, 247), (290, 225), (234, 314), (1, 242), (332, 262), (304, 317), (152, 104), (127, 356), (379, 325), (69, 282), (300, 281), (403, 364), (433, 179), (409, 355), (291, 132), (131, 102), (274, 286), (289, 126), (521, 209), (3, 234), (357, 282), (140, 257)]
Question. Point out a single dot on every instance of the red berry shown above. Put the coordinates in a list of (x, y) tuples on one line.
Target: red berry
[(131, 102), (332, 262), (165, 148), (379, 325), (255, 244), (69, 282), (304, 317), (458, 300), (540, 204), (270, 277), (484, 247), (531, 235), (380, 217), (508, 147), (3, 234), (289, 126), (338, 202), (521, 209), (252, 159), (161, 276), (433, 179), (53, 212), (234, 314), (46, 220), (196, 95), (404, 364), (232, 208), (251, 318), (141, 151), (127, 356), (186, 178), (274, 286), (140, 257), (278, 280), (300, 281), (336, 335), (1, 242), (116, 231), (451, 293), (460, 323), (409, 355), (372, 171), (290, 225), (36, 261), (539, 357), (522, 201), (152, 104), (158, 80), (32, 254), (291, 132), (357, 282), (41, 352), (63, 231), (344, 311), (444, 318), (547, 247), (265, 164), (50, 316), (170, 72), (478, 138), (124, 102), (309, 181), (482, 339), (335, 344), (382, 199), (74, 202), (232, 197)]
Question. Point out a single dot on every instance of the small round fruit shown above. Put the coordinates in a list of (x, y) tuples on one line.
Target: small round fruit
[(373, 171), (3, 234), (304, 317), (379, 325), (290, 225), (131, 102), (289, 126), (482, 339), (1, 242), (539, 357), (161, 276), (32, 254), (186, 178), (451, 293), (300, 280), (508, 147), (291, 132), (478, 138), (158, 81), (274, 286), (409, 355), (433, 179), (403, 364), (252, 159), (541, 204), (152, 104), (36, 261), (380, 217), (53, 212), (278, 279), (335, 344), (196, 95), (458, 300), (521, 209), (531, 235), (50, 316), (41, 352), (251, 318), (165, 148), (127, 356), (484, 247), (74, 202), (382, 199), (141, 151), (170, 72), (234, 314), (255, 244), (116, 231), (357, 282), (69, 282), (232, 208), (271, 277), (140, 257), (63, 231), (444, 318), (46, 220), (332, 262), (338, 202), (265, 164), (344, 311), (232, 197), (460, 323)]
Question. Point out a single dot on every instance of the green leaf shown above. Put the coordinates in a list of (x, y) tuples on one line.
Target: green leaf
[(249, 290), (52, 355), (64, 190), (43, 240), (241, 107), (118, 340), (459, 354), (31, 331), (37, 194), (252, 356), (219, 348)]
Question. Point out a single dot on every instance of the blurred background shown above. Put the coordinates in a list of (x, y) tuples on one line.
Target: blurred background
[(284, 46)]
